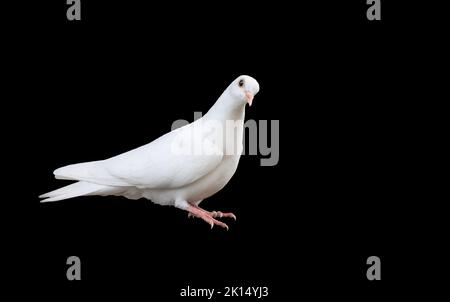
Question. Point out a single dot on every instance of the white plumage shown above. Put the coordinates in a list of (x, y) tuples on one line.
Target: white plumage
[(180, 168)]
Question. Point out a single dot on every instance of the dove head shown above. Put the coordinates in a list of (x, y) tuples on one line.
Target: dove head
[(244, 88)]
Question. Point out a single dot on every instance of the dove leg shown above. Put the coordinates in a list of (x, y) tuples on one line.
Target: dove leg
[(200, 213), (222, 214), (215, 214), (206, 217)]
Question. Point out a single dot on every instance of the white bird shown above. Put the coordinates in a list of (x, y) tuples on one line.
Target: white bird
[(180, 168)]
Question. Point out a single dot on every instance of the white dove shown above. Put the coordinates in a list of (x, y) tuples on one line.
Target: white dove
[(180, 168)]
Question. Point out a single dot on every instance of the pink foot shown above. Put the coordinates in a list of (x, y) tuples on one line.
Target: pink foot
[(221, 214), (196, 211), (215, 214)]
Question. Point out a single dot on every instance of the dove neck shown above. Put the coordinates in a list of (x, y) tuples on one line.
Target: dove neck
[(226, 108)]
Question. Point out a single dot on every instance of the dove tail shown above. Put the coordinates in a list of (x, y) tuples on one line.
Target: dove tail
[(74, 190)]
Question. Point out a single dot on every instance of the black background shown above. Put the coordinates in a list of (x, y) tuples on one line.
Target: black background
[(344, 188)]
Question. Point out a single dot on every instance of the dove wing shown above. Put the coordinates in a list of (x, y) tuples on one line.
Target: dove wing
[(174, 160)]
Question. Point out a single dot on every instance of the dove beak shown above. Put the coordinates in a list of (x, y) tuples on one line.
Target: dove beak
[(249, 97)]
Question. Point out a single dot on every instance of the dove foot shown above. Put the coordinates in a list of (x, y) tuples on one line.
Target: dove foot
[(215, 214), (221, 214), (195, 211)]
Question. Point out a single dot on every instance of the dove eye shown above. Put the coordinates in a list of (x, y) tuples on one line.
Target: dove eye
[(241, 83)]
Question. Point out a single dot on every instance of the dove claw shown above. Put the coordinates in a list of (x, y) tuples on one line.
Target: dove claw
[(221, 214), (209, 217)]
